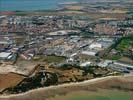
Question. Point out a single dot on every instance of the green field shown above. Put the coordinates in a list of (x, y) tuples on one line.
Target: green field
[(99, 95), (113, 57), (110, 96), (130, 12), (125, 44)]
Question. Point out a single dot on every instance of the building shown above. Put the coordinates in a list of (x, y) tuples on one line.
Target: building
[(95, 45), (90, 53), (105, 63), (5, 55), (85, 64), (127, 65)]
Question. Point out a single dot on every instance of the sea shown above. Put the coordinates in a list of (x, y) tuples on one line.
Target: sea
[(31, 5)]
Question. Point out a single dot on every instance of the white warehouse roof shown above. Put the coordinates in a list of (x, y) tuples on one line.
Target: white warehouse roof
[(85, 64), (95, 45), (91, 53), (4, 54)]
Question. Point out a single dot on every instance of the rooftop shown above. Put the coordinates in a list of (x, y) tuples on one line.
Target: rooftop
[(4, 54)]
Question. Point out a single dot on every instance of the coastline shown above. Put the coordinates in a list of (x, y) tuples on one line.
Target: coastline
[(91, 82), (44, 5)]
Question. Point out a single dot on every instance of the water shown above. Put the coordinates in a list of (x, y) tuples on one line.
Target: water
[(27, 5)]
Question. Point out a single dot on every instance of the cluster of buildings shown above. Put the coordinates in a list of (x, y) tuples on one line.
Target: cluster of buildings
[(38, 24), (105, 29), (6, 48), (25, 37), (117, 65)]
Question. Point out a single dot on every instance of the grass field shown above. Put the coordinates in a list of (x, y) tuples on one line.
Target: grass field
[(125, 44), (99, 95), (113, 57)]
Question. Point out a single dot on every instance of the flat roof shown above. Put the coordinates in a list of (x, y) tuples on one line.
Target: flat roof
[(4, 54), (85, 63), (124, 64)]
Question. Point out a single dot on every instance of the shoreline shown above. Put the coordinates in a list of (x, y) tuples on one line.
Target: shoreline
[(84, 83), (59, 6)]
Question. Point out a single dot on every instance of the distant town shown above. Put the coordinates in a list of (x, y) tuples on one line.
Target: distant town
[(76, 43)]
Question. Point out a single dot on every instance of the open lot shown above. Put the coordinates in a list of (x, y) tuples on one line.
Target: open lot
[(124, 45), (9, 80), (49, 59)]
